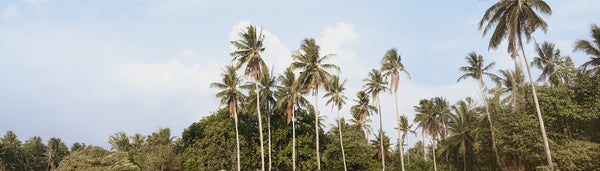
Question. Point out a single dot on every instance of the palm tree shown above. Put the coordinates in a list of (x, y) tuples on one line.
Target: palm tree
[(56, 151), (428, 119), (591, 49), (382, 142), (247, 53), (405, 128), (549, 61), (392, 66), (313, 75), (462, 130), (230, 96), (476, 69), (375, 84), (509, 79), (289, 99), (119, 142), (362, 125), (337, 99), (512, 20)]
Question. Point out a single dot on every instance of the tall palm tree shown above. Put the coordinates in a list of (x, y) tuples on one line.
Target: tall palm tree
[(230, 96), (361, 111), (462, 130), (405, 128), (247, 53), (382, 142), (549, 61), (375, 84), (428, 120), (512, 20), (313, 75), (591, 49), (509, 79), (361, 125), (337, 99), (392, 66), (476, 69), (289, 99)]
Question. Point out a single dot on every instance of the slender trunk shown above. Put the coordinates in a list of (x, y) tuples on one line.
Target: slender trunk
[(269, 128), (464, 156), (489, 118), (514, 87), (434, 163), (401, 142), (294, 141), (537, 109), (381, 136), (317, 127), (262, 150), (237, 138), (408, 158), (424, 153), (341, 141)]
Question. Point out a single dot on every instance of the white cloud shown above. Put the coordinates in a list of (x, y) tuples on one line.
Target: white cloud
[(276, 55), (172, 78), (10, 12), (186, 54), (334, 40)]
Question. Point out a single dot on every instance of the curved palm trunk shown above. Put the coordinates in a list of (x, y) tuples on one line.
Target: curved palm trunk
[(341, 141), (262, 150), (537, 109), (381, 136), (237, 138), (489, 118), (294, 140), (434, 162), (269, 128), (317, 127), (398, 123)]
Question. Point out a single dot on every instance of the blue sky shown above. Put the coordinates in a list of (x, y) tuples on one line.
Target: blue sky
[(84, 70)]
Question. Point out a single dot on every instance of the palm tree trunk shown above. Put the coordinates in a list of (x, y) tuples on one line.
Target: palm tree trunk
[(341, 141), (464, 156), (237, 138), (381, 136), (489, 118), (398, 123), (317, 127), (294, 140), (424, 153), (269, 128), (537, 109), (434, 163), (262, 150)]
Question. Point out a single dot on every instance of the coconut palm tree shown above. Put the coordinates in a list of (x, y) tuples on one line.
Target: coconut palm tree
[(361, 111), (375, 84), (313, 75), (391, 66), (361, 125), (509, 79), (591, 49), (405, 128), (247, 53), (428, 120), (230, 96), (337, 99), (382, 142), (549, 61), (119, 142), (511, 20), (476, 69), (462, 126), (289, 100)]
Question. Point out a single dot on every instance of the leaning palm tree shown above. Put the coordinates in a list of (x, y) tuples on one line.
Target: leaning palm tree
[(375, 84), (361, 111), (405, 128), (476, 69), (392, 66), (337, 99), (591, 49), (313, 75), (247, 53), (230, 96), (429, 122), (549, 61), (512, 20), (289, 99)]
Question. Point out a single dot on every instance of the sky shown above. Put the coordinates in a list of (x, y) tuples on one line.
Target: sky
[(85, 70)]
